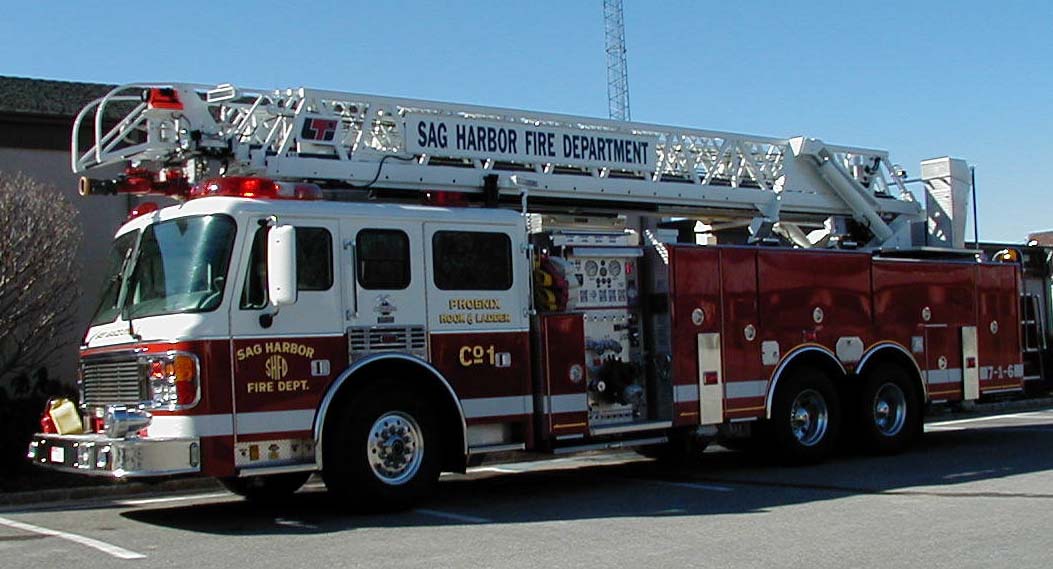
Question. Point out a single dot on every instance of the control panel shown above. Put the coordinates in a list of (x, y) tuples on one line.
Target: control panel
[(604, 282), (597, 273)]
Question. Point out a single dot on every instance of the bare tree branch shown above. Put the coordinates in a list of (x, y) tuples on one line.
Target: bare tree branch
[(39, 236)]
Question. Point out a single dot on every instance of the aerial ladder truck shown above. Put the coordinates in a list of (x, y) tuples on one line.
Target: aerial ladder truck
[(380, 289)]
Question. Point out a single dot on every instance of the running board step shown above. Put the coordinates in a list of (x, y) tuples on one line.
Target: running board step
[(283, 469), (497, 448), (630, 427)]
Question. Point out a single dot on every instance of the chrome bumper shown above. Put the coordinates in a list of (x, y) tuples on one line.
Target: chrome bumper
[(131, 457)]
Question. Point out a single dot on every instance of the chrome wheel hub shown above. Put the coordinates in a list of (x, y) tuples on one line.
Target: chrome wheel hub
[(809, 417), (890, 409), (395, 448)]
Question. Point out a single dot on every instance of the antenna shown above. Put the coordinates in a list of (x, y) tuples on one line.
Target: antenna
[(617, 72)]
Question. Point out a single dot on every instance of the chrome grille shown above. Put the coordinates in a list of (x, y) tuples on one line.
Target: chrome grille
[(364, 341), (112, 381)]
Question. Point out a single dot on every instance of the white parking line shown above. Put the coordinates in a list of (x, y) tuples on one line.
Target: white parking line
[(494, 469), (940, 428), (693, 486), (109, 549), (453, 516), (1028, 414), (294, 523)]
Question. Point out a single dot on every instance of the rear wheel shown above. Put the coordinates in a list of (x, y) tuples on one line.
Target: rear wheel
[(889, 411), (806, 417), (266, 488), (383, 453)]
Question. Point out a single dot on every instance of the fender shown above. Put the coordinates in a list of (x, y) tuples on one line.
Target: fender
[(888, 345), (790, 358), (323, 409)]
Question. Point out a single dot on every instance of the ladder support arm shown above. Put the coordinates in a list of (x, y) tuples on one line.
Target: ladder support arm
[(861, 204)]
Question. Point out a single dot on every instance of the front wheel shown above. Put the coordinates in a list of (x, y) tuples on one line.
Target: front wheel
[(889, 409), (806, 417), (383, 451)]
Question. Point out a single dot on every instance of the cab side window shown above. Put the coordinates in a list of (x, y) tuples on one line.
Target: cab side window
[(314, 258), (254, 295), (314, 265), (382, 258), (472, 260)]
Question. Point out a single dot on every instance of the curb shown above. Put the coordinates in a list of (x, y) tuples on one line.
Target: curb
[(104, 492), (198, 484)]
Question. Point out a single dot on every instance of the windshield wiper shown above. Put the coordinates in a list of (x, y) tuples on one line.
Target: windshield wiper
[(125, 312)]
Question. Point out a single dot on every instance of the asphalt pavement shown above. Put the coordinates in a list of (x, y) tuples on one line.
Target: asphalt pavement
[(976, 492)]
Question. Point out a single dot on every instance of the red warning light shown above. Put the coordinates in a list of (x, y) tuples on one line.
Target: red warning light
[(142, 209), (162, 98)]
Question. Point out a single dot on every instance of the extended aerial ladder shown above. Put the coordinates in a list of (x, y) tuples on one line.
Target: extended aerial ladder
[(173, 135)]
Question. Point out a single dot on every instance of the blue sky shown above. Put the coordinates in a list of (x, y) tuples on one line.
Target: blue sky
[(919, 79)]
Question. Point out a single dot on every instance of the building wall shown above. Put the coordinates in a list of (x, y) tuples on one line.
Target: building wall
[(1043, 238), (99, 218)]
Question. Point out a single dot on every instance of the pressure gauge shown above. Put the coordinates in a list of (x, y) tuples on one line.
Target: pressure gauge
[(591, 268), (614, 268)]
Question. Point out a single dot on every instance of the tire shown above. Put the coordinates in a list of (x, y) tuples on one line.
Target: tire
[(806, 417), (383, 452), (266, 488), (889, 409)]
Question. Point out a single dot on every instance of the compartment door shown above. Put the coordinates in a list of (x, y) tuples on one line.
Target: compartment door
[(943, 371), (564, 398)]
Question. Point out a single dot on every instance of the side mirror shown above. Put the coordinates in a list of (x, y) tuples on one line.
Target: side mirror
[(281, 265)]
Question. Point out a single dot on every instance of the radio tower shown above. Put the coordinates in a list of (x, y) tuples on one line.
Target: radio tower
[(617, 72)]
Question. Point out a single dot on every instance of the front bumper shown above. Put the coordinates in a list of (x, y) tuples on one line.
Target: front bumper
[(131, 457)]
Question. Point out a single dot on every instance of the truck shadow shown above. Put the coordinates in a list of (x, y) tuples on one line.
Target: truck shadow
[(944, 465)]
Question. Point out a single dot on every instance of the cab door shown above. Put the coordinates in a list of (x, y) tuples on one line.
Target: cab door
[(479, 332), (283, 360), (384, 290)]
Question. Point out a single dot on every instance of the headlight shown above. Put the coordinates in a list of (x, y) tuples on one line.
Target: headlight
[(173, 380)]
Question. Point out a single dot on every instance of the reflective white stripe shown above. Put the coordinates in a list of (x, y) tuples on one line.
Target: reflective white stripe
[(683, 393), (570, 403), (497, 406), (223, 425), (275, 421), (183, 426), (741, 389), (949, 375)]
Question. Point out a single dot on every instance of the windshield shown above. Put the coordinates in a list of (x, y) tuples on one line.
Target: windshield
[(180, 266)]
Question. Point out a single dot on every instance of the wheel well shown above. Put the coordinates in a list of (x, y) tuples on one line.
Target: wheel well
[(413, 376), (894, 354), (813, 357)]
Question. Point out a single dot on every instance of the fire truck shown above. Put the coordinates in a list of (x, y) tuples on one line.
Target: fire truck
[(381, 289)]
